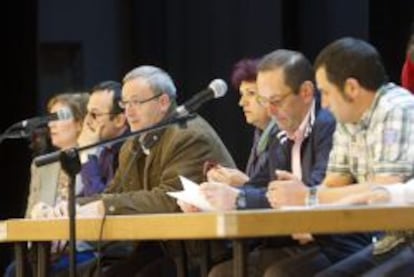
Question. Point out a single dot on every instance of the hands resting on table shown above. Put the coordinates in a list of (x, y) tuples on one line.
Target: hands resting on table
[(221, 191), (42, 210)]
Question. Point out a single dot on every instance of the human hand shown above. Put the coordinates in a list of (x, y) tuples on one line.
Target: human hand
[(92, 209), (303, 238), (287, 190), (90, 133), (221, 196), (41, 210), (187, 208), (61, 209), (230, 176), (376, 196)]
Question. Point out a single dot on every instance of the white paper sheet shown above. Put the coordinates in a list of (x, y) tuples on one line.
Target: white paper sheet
[(191, 195)]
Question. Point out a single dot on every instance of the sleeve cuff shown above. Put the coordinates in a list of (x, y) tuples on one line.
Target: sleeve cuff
[(396, 192), (256, 198), (109, 204)]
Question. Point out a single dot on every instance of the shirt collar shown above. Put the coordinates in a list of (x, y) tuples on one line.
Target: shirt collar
[(305, 128)]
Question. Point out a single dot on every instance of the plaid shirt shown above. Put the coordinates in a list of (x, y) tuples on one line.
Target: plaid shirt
[(382, 142)]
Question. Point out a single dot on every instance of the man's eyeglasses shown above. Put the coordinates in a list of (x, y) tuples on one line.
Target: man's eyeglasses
[(135, 102), (264, 101), (96, 115)]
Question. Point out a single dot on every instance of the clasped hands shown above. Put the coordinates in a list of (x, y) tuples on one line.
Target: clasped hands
[(286, 190), (42, 210)]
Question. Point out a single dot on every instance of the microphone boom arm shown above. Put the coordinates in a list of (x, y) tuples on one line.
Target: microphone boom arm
[(70, 163), (54, 156)]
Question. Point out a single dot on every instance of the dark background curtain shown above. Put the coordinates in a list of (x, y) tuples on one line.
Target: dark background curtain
[(55, 46), (18, 25)]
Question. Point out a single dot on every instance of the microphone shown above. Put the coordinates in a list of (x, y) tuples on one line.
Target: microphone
[(63, 114), (216, 89)]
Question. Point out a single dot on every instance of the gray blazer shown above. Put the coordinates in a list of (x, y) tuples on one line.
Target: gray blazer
[(43, 185)]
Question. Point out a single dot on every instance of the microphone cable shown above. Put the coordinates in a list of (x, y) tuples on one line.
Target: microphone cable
[(119, 189)]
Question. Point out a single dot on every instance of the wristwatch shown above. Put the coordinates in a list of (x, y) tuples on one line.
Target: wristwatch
[(312, 196), (241, 200)]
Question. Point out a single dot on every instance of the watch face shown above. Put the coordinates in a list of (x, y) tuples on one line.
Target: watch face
[(241, 200), (312, 198)]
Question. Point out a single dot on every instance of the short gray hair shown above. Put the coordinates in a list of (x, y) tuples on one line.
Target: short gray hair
[(158, 80)]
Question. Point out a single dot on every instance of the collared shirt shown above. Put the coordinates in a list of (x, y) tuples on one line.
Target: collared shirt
[(314, 150), (296, 140), (301, 133), (305, 128), (382, 142)]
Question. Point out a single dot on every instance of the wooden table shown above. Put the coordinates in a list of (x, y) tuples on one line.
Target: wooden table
[(234, 225)]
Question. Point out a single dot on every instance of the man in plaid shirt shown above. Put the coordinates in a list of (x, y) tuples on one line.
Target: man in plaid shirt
[(373, 141)]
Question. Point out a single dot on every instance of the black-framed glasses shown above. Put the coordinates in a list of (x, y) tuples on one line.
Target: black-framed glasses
[(96, 115), (264, 101), (136, 102)]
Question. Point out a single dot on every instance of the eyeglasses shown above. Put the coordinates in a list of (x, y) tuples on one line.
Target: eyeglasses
[(264, 101), (96, 115), (135, 102)]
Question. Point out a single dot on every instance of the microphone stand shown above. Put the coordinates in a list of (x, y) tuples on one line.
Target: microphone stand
[(70, 163)]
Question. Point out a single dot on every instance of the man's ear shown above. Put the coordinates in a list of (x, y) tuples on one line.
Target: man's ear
[(306, 91), (352, 89), (165, 102)]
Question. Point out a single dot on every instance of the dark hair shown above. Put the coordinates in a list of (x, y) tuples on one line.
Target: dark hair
[(296, 67), (352, 58), (114, 87), (244, 70)]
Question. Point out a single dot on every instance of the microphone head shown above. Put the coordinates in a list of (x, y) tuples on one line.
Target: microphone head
[(219, 87), (64, 114)]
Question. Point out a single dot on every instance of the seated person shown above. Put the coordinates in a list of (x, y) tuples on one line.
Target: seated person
[(149, 166), (298, 155), (104, 120), (244, 80), (49, 184), (373, 141)]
